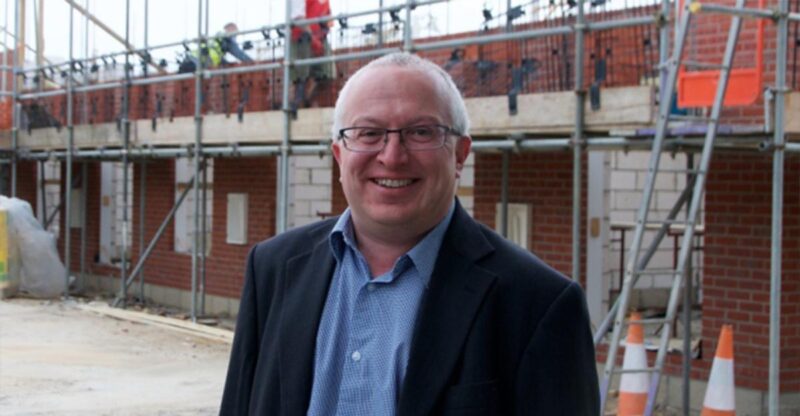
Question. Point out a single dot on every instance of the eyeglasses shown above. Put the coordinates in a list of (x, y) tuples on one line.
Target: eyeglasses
[(374, 139)]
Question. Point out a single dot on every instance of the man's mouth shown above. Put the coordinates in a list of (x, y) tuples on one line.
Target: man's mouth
[(393, 183)]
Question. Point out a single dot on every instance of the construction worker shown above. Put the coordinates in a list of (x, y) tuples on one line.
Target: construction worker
[(310, 41), (213, 54)]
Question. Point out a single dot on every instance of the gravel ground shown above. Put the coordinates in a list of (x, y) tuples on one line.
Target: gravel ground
[(57, 359)]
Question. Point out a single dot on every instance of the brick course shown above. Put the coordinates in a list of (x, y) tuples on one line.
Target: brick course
[(736, 286), (27, 180), (543, 180), (225, 263)]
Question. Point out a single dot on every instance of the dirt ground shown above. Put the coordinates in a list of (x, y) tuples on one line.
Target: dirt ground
[(58, 359)]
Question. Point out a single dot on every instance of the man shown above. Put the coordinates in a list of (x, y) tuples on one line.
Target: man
[(228, 44), (310, 41), (214, 55), (404, 304)]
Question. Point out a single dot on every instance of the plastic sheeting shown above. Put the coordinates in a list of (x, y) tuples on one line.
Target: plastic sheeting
[(35, 268)]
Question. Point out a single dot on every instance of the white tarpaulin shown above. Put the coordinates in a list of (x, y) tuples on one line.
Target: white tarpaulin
[(36, 269)]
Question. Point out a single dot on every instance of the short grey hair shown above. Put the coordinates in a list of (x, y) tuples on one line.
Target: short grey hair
[(455, 102)]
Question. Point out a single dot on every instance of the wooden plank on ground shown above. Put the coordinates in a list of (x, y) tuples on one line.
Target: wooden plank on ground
[(177, 325)]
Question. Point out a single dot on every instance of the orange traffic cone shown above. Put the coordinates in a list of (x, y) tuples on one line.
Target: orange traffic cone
[(633, 386), (720, 399)]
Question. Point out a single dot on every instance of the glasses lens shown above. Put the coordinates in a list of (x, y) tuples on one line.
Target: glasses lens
[(424, 137), (373, 139), (364, 138)]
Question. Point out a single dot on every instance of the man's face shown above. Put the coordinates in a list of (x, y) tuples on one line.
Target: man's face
[(408, 191)]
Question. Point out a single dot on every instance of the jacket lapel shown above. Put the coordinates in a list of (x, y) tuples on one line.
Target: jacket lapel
[(456, 291), (306, 287)]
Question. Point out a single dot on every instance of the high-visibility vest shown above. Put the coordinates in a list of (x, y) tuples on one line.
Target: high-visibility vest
[(215, 53)]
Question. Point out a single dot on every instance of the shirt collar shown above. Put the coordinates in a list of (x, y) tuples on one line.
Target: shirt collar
[(423, 255), (341, 235)]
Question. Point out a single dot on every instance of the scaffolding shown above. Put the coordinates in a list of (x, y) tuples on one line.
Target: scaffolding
[(579, 142)]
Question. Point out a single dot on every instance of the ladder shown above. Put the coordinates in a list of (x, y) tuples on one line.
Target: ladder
[(692, 194)]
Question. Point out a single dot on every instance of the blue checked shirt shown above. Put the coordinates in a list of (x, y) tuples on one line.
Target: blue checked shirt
[(364, 335)]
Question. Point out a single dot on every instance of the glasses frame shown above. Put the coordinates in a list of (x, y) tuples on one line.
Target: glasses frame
[(448, 131)]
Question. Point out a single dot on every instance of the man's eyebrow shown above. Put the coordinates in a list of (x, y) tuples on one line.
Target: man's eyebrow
[(360, 121)]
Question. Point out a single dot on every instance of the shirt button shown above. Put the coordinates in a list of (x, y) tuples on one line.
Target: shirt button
[(371, 287), (356, 356)]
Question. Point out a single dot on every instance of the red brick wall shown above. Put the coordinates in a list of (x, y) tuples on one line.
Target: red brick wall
[(92, 223), (543, 180), (736, 270), (736, 285), (5, 113), (165, 267), (26, 181), (225, 263), (257, 178), (707, 42)]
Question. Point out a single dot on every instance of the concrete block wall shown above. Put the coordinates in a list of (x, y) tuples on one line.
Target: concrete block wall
[(627, 178), (310, 188)]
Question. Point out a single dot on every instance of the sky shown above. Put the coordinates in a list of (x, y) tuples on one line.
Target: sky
[(176, 20)]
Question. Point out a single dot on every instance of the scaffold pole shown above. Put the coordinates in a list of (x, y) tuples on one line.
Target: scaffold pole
[(197, 154), (283, 160), (126, 137), (782, 34), (67, 191), (577, 142)]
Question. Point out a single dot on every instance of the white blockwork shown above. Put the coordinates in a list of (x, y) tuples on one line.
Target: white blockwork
[(310, 180)]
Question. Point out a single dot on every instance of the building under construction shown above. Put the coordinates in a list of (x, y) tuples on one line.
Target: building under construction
[(648, 149)]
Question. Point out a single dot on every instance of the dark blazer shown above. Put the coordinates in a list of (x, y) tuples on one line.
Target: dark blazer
[(498, 331)]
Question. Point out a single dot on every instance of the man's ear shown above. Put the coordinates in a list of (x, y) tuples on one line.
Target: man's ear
[(336, 150), (463, 146)]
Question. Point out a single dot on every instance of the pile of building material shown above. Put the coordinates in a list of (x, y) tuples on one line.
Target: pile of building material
[(29, 262)]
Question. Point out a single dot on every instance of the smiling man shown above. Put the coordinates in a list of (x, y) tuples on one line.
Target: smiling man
[(404, 304)]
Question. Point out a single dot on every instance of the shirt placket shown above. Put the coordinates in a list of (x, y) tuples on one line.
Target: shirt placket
[(355, 391)]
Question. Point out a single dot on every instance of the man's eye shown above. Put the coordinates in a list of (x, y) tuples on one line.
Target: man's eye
[(420, 133), (370, 133)]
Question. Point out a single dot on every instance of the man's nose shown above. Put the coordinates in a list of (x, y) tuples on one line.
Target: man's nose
[(394, 152)]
